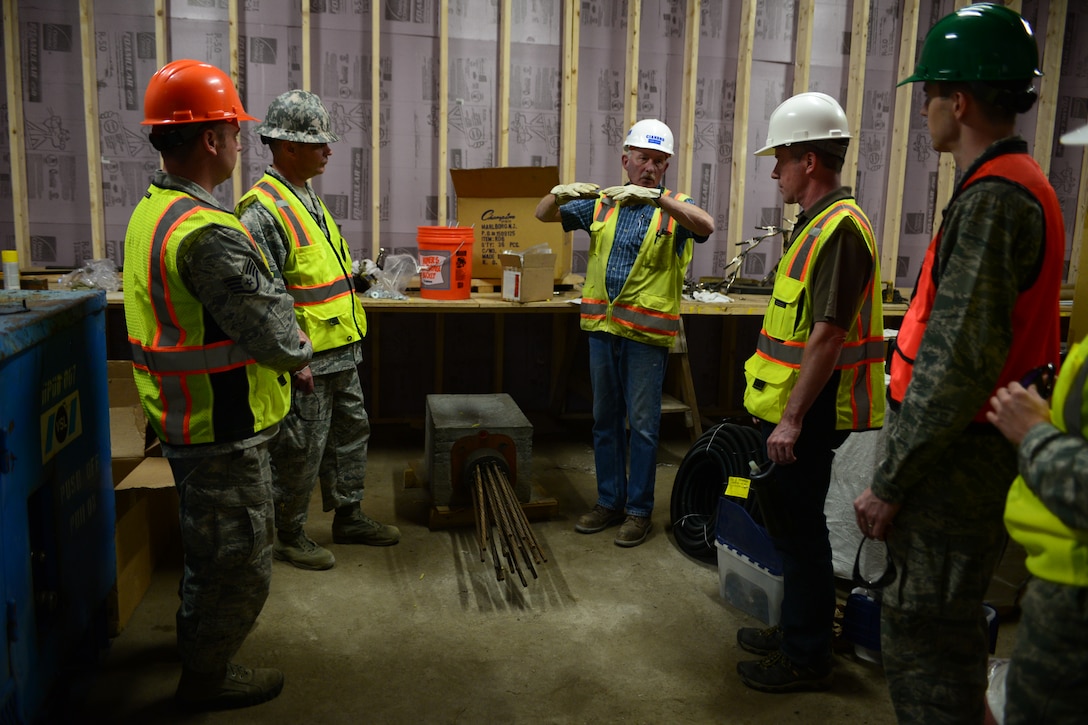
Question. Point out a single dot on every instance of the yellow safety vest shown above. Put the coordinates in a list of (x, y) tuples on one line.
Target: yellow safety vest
[(317, 271), (1055, 552), (647, 309), (196, 384), (772, 372)]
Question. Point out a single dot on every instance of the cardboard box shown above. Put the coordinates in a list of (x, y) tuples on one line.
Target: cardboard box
[(128, 425), (527, 277), (147, 533), (500, 205)]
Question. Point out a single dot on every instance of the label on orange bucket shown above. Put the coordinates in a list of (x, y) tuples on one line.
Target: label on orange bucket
[(433, 264)]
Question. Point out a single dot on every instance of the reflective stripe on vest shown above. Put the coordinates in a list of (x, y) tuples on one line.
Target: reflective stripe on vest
[(196, 384), (868, 349), (299, 237), (624, 317), (773, 371)]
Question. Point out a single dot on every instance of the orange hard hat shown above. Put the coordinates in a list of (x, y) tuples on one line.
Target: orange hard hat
[(189, 91)]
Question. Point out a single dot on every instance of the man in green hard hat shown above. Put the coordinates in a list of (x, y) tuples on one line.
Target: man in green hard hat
[(984, 313)]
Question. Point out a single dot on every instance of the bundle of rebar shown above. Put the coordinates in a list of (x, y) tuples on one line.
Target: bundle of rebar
[(501, 525)]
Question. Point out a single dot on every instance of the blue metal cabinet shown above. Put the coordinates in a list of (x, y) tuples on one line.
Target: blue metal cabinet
[(57, 561)]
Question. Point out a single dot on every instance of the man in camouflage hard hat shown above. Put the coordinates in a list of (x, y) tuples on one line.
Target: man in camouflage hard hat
[(984, 313), (325, 435)]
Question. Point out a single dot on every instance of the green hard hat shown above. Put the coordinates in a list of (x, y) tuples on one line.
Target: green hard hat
[(980, 42)]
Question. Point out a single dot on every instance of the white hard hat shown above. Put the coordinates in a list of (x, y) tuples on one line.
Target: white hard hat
[(1078, 137), (805, 117), (649, 134)]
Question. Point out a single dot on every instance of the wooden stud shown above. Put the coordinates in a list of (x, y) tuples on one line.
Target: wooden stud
[(855, 88), (232, 34), (1078, 320), (946, 168), (307, 45), (802, 66), (502, 137), (13, 64), (162, 34), (630, 100), (1051, 51), (443, 107), (375, 131), (568, 130), (90, 112), (739, 165), (893, 205), (686, 148), (1077, 260)]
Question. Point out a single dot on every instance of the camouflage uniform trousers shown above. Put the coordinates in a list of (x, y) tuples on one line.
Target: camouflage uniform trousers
[(226, 519), (324, 437), (946, 541), (1047, 681)]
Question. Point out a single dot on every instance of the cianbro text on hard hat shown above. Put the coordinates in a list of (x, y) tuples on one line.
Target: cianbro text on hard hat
[(189, 91), (297, 116), (806, 117), (649, 134), (980, 42)]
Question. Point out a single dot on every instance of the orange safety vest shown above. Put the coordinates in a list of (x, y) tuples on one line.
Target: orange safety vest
[(1036, 333)]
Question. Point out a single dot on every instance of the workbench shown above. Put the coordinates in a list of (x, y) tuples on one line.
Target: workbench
[(533, 351)]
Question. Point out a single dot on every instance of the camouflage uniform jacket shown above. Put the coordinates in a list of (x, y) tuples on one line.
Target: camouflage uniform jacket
[(272, 238), (990, 230), (262, 322)]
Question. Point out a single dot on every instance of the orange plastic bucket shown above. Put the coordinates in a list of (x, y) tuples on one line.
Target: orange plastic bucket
[(445, 261)]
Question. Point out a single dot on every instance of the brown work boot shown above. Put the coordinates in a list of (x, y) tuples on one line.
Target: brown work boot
[(298, 549), (598, 519), (236, 687), (760, 641), (354, 527), (634, 531)]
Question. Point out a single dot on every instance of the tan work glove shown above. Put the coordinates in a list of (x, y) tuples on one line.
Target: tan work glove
[(577, 190), (633, 194)]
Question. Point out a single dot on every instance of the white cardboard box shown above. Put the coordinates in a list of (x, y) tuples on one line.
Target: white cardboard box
[(527, 277)]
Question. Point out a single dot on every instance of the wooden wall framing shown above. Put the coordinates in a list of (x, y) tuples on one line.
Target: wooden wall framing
[(910, 34)]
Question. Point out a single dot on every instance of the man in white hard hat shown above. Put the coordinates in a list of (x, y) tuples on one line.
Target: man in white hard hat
[(817, 374), (326, 433), (641, 242)]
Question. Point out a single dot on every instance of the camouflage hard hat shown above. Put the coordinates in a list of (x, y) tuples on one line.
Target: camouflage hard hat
[(297, 116)]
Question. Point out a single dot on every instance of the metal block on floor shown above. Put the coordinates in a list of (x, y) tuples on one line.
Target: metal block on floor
[(452, 417)]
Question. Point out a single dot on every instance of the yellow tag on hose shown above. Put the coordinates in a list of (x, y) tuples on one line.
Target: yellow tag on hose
[(737, 486)]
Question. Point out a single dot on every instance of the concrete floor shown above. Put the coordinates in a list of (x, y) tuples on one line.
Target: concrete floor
[(423, 631)]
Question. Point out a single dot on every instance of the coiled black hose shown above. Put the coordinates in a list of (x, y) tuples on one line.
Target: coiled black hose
[(722, 451)]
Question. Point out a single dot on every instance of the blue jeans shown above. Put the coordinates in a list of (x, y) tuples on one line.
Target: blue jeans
[(627, 377), (808, 577)]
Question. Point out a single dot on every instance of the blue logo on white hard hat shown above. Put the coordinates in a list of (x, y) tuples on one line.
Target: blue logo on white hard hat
[(658, 140)]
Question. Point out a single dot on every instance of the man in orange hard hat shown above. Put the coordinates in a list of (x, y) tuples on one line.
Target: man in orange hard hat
[(213, 343)]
